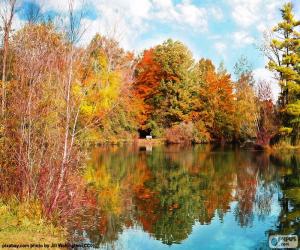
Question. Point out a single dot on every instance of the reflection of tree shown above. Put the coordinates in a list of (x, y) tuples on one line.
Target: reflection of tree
[(288, 221), (100, 228), (255, 186), (111, 175), (190, 185), (170, 189), (263, 199), (247, 174), (177, 202)]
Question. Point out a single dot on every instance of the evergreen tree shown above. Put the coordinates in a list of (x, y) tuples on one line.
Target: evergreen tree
[(287, 47)]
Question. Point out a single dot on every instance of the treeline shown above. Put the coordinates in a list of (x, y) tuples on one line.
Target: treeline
[(188, 101), (58, 97)]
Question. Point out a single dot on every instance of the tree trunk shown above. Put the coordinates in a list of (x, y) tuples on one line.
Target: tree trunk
[(67, 150), (5, 53), (7, 22)]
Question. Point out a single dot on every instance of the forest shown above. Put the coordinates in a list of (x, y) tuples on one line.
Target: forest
[(59, 99)]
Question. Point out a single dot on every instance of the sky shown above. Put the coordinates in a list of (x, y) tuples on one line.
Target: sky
[(222, 30)]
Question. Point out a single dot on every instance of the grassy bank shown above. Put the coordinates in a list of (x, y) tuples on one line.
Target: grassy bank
[(23, 223), (285, 147), (140, 142), (147, 142)]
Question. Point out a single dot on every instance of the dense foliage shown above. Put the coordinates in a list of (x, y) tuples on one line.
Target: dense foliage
[(58, 98), (176, 90), (284, 55)]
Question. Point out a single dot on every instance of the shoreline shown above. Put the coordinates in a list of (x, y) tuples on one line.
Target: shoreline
[(142, 142)]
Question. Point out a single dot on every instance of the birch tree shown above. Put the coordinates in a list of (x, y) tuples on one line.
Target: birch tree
[(7, 13)]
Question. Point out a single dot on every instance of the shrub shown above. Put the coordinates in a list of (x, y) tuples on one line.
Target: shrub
[(201, 135), (156, 130), (187, 132), (181, 133)]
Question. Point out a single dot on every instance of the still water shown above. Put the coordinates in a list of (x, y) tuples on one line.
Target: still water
[(197, 197)]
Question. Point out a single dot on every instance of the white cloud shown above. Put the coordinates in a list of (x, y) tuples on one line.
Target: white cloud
[(255, 12), (121, 20), (163, 4), (217, 13), (159, 39), (245, 12), (242, 38), (130, 19), (220, 48), (262, 27), (59, 5), (181, 14), (192, 15)]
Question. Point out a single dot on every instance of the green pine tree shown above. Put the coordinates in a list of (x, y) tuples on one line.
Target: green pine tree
[(287, 47)]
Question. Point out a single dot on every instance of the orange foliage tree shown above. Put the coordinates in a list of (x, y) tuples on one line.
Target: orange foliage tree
[(214, 105), (148, 76)]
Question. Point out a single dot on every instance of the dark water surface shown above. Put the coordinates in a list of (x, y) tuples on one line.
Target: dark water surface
[(189, 198)]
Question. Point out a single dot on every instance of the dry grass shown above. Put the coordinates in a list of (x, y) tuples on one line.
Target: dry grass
[(22, 223), (285, 147)]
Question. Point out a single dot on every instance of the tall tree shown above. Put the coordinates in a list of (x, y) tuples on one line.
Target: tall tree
[(148, 74), (71, 107), (213, 101), (163, 83), (172, 102), (106, 87), (33, 103), (7, 12), (246, 111), (287, 52), (267, 113)]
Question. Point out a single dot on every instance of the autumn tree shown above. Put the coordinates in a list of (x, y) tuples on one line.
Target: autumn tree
[(42, 114), (162, 82), (148, 75), (33, 113), (70, 103), (172, 104), (213, 100), (7, 12), (267, 124), (106, 87), (246, 111)]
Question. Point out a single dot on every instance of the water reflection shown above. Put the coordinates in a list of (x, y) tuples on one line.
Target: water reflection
[(289, 218), (167, 191)]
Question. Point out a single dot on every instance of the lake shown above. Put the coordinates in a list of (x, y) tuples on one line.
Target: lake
[(197, 197)]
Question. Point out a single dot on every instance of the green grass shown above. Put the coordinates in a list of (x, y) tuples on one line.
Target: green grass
[(23, 223), (284, 146)]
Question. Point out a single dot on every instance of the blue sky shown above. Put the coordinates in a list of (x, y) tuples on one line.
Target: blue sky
[(221, 30)]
